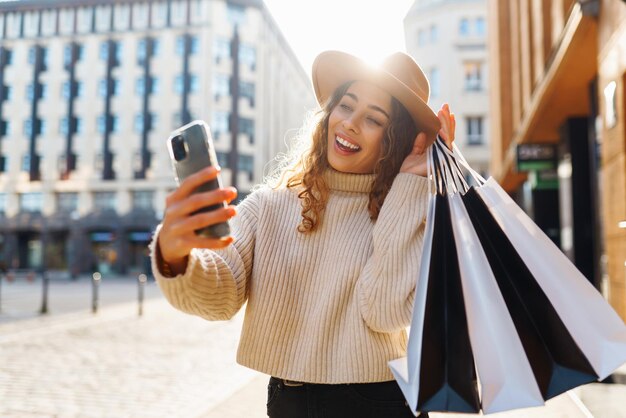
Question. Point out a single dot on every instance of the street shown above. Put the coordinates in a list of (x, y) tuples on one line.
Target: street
[(72, 363)]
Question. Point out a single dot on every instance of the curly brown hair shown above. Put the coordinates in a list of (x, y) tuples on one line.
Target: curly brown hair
[(308, 172)]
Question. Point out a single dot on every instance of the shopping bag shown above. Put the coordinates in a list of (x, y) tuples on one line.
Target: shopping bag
[(506, 378), (439, 373), (557, 362), (536, 326), (594, 325)]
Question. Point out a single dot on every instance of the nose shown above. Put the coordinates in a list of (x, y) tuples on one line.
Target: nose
[(350, 123)]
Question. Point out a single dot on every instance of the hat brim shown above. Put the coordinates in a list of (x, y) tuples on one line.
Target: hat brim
[(332, 69)]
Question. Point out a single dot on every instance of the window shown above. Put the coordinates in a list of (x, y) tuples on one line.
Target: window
[(8, 93), (13, 25), (140, 15), (104, 200), (246, 126), (31, 23), (121, 18), (178, 13), (102, 87), (142, 199), (143, 50), (67, 202), (421, 37), (85, 20), (67, 53), (7, 56), (159, 14), (464, 27), (79, 125), (153, 86), (194, 45), (103, 18), (473, 76), (222, 159), (32, 55), (220, 123), (66, 21), (28, 127), (26, 162), (114, 120), (179, 85), (434, 82), (221, 86), (3, 203), (193, 84), (236, 14), (221, 49), (115, 47), (246, 90), (31, 202), (5, 128), (247, 56), (139, 127), (434, 34), (64, 126), (48, 22), (78, 89), (246, 163), (474, 130), (481, 29)]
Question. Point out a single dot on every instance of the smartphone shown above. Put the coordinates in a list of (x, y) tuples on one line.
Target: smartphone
[(191, 150)]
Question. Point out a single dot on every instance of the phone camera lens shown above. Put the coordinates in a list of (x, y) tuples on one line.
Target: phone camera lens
[(178, 148)]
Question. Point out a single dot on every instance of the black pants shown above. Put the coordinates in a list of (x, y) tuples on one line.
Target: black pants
[(363, 400)]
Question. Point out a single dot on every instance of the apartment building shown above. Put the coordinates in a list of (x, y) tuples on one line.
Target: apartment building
[(89, 92), (448, 39)]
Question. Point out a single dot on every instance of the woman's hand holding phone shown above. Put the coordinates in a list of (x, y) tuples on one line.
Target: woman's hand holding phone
[(177, 236)]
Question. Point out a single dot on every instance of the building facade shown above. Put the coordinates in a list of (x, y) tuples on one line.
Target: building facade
[(559, 94), (89, 92), (448, 39)]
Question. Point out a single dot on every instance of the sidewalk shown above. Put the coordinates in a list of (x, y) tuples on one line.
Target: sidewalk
[(116, 364)]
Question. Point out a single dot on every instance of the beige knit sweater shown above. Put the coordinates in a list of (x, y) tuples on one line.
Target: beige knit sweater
[(326, 307)]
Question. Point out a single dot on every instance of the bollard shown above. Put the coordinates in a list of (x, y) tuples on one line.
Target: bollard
[(44, 292), (95, 284), (141, 282)]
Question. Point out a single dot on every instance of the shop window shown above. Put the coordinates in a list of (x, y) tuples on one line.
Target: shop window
[(31, 202)]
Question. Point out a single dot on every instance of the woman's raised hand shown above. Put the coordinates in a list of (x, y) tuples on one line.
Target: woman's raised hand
[(177, 236), (415, 162)]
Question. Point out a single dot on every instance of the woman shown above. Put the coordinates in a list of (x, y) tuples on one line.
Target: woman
[(327, 259)]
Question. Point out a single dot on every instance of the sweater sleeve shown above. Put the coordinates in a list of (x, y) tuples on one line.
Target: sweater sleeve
[(386, 287), (214, 286)]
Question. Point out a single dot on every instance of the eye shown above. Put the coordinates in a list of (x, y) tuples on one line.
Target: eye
[(345, 106), (374, 121)]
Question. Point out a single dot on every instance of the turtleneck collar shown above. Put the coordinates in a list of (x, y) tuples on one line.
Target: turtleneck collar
[(348, 182)]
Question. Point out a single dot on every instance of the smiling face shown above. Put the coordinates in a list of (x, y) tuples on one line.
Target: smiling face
[(356, 128)]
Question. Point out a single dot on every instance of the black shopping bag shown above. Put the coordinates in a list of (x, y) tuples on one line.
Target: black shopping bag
[(447, 371), (556, 360)]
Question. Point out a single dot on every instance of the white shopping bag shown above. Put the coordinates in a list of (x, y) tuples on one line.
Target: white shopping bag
[(506, 378), (406, 370), (592, 322)]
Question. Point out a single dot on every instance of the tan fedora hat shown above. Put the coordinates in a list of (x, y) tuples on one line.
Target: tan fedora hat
[(399, 75)]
